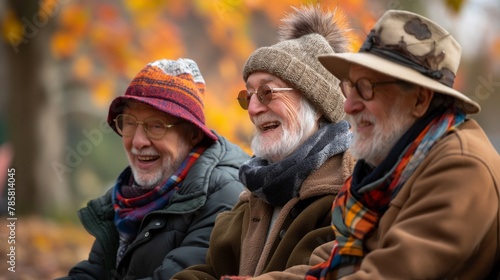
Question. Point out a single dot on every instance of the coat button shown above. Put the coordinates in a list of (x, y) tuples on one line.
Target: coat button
[(146, 234), (282, 233), (294, 213)]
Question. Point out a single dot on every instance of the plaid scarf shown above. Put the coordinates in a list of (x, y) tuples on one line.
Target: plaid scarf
[(129, 211), (364, 199)]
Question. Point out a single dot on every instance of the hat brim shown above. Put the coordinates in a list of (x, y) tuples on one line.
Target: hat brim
[(339, 65), (171, 108)]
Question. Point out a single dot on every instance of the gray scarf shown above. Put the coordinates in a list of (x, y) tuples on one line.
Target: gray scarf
[(277, 183)]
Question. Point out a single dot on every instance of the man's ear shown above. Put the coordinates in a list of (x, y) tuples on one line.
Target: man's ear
[(196, 136), (318, 115), (422, 101)]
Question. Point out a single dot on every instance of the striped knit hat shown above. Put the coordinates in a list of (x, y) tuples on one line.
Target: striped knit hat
[(175, 87)]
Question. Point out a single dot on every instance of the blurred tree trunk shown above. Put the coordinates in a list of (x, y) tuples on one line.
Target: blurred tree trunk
[(34, 128)]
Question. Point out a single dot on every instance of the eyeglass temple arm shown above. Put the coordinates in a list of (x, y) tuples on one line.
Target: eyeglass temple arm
[(279, 89)]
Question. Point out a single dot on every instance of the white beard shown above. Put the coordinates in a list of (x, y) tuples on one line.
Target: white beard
[(374, 149), (293, 134), (152, 178)]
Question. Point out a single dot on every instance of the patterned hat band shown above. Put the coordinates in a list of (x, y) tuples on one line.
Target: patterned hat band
[(400, 54), (409, 47)]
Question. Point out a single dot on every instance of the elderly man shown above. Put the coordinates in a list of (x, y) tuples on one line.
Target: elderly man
[(300, 157), (158, 217), (423, 199)]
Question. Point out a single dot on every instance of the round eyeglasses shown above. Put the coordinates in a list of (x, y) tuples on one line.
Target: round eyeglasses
[(264, 95), (363, 86), (155, 128)]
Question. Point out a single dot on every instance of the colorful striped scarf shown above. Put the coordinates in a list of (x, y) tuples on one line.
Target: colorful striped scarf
[(129, 212), (359, 205)]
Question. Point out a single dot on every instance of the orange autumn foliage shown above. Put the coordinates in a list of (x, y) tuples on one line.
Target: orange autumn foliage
[(108, 42)]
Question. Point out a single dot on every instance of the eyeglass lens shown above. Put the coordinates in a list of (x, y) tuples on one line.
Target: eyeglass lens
[(363, 86), (263, 94), (127, 125)]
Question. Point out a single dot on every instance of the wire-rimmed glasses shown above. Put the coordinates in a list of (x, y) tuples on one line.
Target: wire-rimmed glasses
[(155, 128), (264, 95)]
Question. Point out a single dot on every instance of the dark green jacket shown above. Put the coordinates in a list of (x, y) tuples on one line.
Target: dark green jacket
[(170, 239)]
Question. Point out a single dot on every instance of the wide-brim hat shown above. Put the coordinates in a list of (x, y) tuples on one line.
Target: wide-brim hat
[(175, 87), (408, 47)]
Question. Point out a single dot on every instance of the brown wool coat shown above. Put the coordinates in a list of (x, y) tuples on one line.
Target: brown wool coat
[(445, 221), (238, 243)]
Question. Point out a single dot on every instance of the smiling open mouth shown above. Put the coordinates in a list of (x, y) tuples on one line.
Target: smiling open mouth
[(269, 126), (147, 158)]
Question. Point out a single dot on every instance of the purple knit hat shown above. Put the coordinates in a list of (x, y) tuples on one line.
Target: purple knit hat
[(175, 87)]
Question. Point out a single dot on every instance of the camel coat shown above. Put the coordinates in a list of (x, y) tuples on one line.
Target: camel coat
[(238, 244), (445, 221)]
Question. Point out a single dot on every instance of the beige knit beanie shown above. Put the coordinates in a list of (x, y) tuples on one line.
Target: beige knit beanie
[(305, 34)]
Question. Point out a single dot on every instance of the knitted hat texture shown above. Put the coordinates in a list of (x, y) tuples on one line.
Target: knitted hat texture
[(175, 87), (305, 34)]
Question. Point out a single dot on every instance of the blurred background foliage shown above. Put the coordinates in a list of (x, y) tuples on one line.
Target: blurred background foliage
[(63, 61)]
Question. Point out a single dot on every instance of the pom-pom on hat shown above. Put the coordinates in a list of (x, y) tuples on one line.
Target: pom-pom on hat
[(409, 47), (175, 87), (306, 33)]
